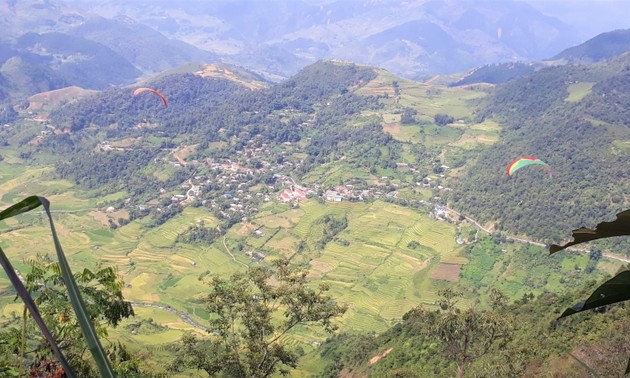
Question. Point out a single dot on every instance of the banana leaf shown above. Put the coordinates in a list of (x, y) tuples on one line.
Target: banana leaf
[(78, 305)]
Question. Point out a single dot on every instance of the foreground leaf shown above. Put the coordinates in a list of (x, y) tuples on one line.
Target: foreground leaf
[(32, 308), (618, 227), (617, 289), (78, 305)]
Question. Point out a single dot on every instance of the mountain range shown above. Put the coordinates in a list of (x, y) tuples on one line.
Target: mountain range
[(412, 39), (48, 44)]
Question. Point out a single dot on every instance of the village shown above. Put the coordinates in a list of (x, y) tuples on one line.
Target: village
[(233, 190), (252, 176)]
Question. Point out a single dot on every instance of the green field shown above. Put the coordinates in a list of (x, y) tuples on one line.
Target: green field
[(578, 91), (375, 273)]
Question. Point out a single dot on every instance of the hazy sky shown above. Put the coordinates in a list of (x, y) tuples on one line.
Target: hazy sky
[(592, 16)]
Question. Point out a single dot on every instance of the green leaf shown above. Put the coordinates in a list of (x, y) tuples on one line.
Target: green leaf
[(25, 205), (618, 227), (617, 289), (94, 344), (32, 308)]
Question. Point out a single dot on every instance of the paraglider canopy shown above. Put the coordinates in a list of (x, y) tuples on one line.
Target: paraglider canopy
[(141, 90), (521, 162)]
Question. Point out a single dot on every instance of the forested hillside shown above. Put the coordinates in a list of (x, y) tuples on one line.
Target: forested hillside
[(538, 344), (575, 118), (206, 110), (598, 48), (566, 116)]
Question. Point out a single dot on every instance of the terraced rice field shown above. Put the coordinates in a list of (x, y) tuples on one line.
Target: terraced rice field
[(376, 274), (283, 243)]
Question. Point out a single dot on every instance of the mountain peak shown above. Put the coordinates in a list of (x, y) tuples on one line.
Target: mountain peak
[(601, 47)]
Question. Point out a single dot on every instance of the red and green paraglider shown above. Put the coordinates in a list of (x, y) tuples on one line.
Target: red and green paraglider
[(521, 162)]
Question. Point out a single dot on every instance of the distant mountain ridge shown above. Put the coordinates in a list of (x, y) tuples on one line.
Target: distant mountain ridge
[(52, 44), (48, 45), (601, 47), (413, 39)]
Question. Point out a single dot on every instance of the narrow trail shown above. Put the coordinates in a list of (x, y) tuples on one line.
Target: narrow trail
[(432, 80), (231, 255)]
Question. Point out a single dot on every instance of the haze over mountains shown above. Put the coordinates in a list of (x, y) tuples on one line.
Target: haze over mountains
[(410, 38), (50, 44)]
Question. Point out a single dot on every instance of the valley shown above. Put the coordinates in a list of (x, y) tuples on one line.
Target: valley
[(346, 170)]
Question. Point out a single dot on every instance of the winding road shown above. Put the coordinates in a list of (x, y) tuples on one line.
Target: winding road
[(182, 315), (526, 241)]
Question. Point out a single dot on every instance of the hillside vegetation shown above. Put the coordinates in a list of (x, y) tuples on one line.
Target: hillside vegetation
[(583, 138), (601, 47), (348, 171)]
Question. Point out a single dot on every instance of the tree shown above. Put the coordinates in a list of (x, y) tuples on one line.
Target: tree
[(66, 279), (408, 116), (466, 335), (247, 332), (443, 119), (102, 291)]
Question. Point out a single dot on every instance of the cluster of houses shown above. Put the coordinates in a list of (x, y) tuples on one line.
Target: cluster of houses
[(295, 193), (233, 189)]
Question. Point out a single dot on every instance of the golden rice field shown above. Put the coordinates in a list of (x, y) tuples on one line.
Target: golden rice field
[(377, 274)]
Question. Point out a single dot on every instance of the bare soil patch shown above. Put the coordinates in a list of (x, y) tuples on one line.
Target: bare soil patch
[(392, 128), (376, 358), (247, 228), (212, 70), (104, 217), (56, 97), (183, 152), (447, 272), (318, 269), (125, 143)]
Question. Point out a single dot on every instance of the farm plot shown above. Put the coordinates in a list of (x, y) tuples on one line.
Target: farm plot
[(372, 274), (286, 219), (472, 139), (282, 242), (377, 229), (403, 133), (438, 236), (430, 100), (358, 319), (213, 260), (312, 213), (165, 235), (381, 85), (100, 236), (124, 240), (446, 272)]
